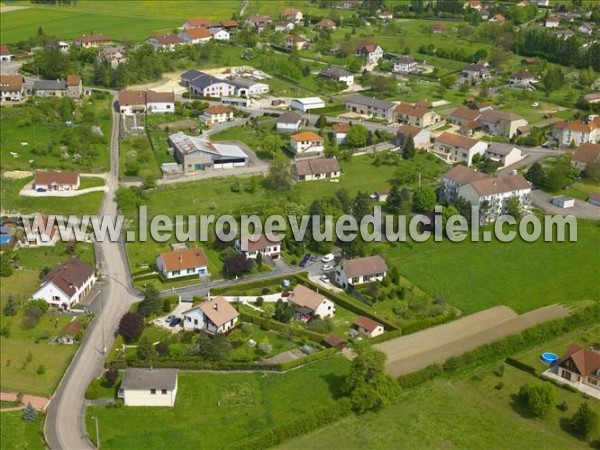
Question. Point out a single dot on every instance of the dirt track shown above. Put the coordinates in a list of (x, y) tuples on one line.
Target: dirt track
[(413, 352)]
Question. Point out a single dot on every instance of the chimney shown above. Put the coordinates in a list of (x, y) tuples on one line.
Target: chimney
[(215, 307)]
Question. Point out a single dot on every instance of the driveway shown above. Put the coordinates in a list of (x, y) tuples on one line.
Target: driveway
[(416, 351), (581, 210), (39, 403)]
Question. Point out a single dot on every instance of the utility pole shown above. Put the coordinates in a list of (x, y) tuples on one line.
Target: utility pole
[(97, 433), (419, 179)]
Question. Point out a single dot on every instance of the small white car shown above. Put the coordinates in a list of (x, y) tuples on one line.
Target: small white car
[(327, 268), (324, 279), (328, 258)]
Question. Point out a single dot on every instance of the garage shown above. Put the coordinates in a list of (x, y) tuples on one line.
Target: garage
[(562, 201)]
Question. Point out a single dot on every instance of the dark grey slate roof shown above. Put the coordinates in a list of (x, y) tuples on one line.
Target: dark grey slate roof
[(204, 80), (289, 117), (138, 379), (368, 101), (335, 72), (50, 85)]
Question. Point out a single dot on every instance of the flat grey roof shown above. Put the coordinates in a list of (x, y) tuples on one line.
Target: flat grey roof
[(137, 379)]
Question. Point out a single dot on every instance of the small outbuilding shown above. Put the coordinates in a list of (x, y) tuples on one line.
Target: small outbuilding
[(149, 387), (562, 201), (306, 104)]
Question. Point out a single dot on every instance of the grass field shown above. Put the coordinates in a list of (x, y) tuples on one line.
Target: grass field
[(36, 258), (17, 373), (229, 407), (11, 201), (35, 135), (473, 276), (18, 435), (465, 414)]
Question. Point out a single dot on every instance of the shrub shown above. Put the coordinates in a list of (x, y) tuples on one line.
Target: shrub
[(111, 376), (563, 406), (500, 386), (31, 318), (29, 413), (539, 398), (265, 291), (93, 392), (41, 369), (260, 301), (131, 326), (10, 309), (585, 421), (266, 325)]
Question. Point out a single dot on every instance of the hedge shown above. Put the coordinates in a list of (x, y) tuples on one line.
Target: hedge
[(510, 345), (195, 363), (520, 365), (429, 322), (414, 379), (308, 421), (283, 327), (248, 285)]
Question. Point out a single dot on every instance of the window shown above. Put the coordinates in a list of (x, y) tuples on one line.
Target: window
[(163, 391), (153, 391)]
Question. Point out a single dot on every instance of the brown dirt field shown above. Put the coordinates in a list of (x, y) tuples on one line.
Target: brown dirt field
[(435, 345)]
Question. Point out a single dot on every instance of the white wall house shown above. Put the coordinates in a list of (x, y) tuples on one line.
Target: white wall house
[(56, 181), (405, 64), (251, 246), (368, 327), (338, 74), (340, 131), (219, 34), (182, 263), (456, 177), (310, 304), (289, 122), (491, 195), (316, 169), (307, 143), (213, 317), (580, 367), (370, 51), (306, 104), (66, 284), (360, 270), (149, 387), (150, 102), (505, 154), (216, 114), (580, 132), (455, 148)]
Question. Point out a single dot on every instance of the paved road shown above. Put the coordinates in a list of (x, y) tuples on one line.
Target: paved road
[(413, 352), (64, 427), (581, 210)]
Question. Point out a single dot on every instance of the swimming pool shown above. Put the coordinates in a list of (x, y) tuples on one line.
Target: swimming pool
[(5, 238), (549, 358)]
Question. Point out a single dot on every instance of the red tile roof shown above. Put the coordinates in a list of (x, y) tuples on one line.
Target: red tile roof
[(185, 259), (62, 178), (585, 361), (306, 136), (366, 323), (456, 140)]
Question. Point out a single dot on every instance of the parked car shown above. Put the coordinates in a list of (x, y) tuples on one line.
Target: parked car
[(176, 321), (170, 317), (305, 260), (324, 279), (328, 258), (314, 258), (327, 268)]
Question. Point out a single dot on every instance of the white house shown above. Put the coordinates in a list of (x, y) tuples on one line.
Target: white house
[(288, 122), (405, 64), (586, 28), (284, 26), (420, 136), (199, 35), (205, 85), (66, 284), (308, 103), (310, 304), (245, 87), (456, 177), (307, 143), (523, 80), (370, 107), (293, 15), (552, 22), (340, 131), (338, 74), (214, 317), (150, 102), (491, 195), (55, 181), (149, 387), (5, 53), (371, 51), (252, 245), (455, 148), (316, 169), (216, 114), (219, 34), (579, 132), (367, 326), (580, 368), (506, 154), (166, 42), (182, 263), (11, 88), (360, 270)]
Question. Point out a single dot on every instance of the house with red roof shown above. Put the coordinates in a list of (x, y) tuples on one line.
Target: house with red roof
[(580, 367), (183, 263), (368, 327), (293, 15), (371, 51)]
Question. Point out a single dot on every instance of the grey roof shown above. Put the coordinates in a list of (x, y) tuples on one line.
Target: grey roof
[(203, 80), (242, 82), (138, 379), (500, 148), (335, 72), (50, 85), (191, 74), (368, 101), (217, 150), (289, 117)]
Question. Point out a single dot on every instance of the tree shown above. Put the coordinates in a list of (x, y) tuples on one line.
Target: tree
[(271, 143), (370, 388), (283, 311), (592, 171), (423, 200), (409, 151), (152, 303), (539, 398), (111, 376), (513, 208), (279, 177), (393, 201), (536, 174), (6, 269), (216, 348), (553, 79), (357, 136), (321, 122), (145, 349), (236, 265), (556, 179), (585, 421), (29, 413), (131, 326), (259, 260), (10, 309)]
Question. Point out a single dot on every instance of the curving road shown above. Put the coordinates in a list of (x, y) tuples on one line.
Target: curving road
[(65, 427)]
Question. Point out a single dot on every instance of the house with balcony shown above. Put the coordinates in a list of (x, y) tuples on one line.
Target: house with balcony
[(307, 144), (455, 148), (251, 246)]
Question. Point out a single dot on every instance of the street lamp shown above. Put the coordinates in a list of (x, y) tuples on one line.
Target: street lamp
[(97, 432)]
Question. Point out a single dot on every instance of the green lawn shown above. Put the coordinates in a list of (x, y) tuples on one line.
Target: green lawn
[(473, 276), (581, 189), (36, 258), (90, 182), (11, 201), (18, 374), (136, 158), (120, 20), (18, 435), (465, 414), (40, 124), (230, 406)]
